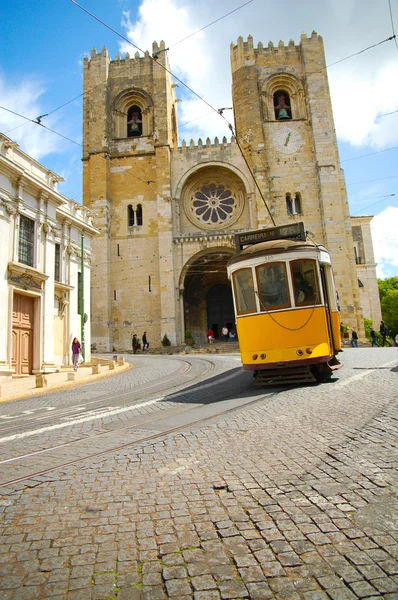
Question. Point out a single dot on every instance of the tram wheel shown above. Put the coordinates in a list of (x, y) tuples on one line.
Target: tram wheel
[(322, 373)]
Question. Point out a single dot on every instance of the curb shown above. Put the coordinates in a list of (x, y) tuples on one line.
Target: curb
[(65, 384)]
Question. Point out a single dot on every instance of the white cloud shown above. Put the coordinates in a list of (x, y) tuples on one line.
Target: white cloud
[(361, 88), (197, 62), (385, 242), (358, 100), (23, 97)]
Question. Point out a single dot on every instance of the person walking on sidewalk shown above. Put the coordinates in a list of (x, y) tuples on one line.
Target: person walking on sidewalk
[(135, 343), (373, 337), (145, 343), (384, 332), (354, 339), (76, 351)]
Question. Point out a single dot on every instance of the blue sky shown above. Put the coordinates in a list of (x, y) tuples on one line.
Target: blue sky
[(44, 43)]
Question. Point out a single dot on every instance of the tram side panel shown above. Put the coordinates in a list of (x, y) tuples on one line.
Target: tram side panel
[(290, 337)]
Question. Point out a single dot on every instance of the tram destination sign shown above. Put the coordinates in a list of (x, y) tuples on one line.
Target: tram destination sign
[(292, 231)]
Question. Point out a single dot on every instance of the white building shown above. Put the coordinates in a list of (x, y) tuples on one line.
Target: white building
[(44, 265)]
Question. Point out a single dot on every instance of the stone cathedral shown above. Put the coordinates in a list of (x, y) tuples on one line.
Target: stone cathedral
[(168, 214)]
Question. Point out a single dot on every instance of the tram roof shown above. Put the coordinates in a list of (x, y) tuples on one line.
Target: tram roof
[(275, 247)]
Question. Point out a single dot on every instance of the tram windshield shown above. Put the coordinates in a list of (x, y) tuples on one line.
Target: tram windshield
[(244, 291), (305, 282), (272, 286)]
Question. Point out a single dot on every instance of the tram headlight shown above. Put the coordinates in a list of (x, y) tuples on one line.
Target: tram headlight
[(309, 351), (255, 356), (262, 356), (299, 353)]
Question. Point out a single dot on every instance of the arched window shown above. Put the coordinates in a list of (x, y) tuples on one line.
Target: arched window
[(293, 205), (133, 114), (139, 214), (282, 106), (297, 204), (289, 206), (284, 98), (134, 217), (130, 216), (134, 121)]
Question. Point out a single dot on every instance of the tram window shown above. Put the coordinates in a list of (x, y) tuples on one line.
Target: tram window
[(244, 291), (305, 282), (272, 286)]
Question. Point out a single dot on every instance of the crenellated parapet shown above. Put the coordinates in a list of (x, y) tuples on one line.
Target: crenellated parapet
[(246, 54), (101, 62), (102, 56), (200, 145)]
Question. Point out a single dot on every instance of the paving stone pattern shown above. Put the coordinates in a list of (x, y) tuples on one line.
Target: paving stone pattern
[(294, 498)]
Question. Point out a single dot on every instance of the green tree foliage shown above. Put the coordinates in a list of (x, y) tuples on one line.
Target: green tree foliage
[(166, 341), (388, 290), (368, 326)]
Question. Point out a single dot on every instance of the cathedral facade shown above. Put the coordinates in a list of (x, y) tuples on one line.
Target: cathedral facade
[(168, 214)]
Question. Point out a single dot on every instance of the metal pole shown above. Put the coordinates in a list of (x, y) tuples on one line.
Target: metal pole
[(82, 302)]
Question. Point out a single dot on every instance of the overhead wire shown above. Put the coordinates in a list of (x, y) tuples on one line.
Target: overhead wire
[(37, 122), (127, 68), (392, 23), (370, 154), (212, 23), (373, 180), (218, 111), (392, 37)]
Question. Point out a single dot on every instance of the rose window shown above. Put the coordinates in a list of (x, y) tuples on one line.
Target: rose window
[(213, 203)]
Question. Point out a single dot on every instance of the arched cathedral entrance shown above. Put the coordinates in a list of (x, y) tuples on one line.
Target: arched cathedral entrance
[(220, 308), (208, 294)]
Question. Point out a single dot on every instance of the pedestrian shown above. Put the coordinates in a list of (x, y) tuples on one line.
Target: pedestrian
[(145, 343), (373, 337), (232, 335), (384, 332), (354, 338), (210, 336), (76, 351), (341, 329), (135, 343), (224, 333)]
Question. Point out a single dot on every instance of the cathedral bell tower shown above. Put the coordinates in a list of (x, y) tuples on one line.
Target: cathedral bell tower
[(129, 132), (284, 123)]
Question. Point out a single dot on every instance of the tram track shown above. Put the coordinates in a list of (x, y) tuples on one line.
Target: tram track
[(140, 429), (143, 439), (158, 386)]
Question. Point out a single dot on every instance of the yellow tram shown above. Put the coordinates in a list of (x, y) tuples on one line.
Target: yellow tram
[(285, 301)]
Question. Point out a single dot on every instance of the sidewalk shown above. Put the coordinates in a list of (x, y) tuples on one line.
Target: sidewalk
[(25, 385)]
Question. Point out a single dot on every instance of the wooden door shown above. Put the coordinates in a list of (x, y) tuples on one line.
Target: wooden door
[(22, 334)]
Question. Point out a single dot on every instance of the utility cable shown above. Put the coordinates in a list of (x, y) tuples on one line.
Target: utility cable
[(392, 37), (251, 173), (218, 111), (127, 68), (370, 154), (372, 180), (212, 23), (392, 23), (37, 121)]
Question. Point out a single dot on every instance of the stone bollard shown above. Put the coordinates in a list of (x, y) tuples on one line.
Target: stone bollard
[(111, 364), (41, 381), (71, 376), (120, 361), (95, 369)]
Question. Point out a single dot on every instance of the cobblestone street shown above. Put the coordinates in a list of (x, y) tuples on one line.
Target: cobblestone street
[(294, 497)]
